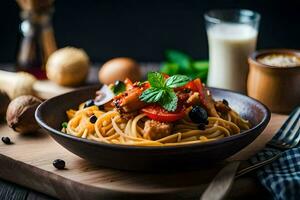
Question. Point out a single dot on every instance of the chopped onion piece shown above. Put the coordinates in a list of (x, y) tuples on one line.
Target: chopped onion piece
[(104, 95)]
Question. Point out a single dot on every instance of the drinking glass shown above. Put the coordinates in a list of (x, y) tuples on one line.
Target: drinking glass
[(232, 36)]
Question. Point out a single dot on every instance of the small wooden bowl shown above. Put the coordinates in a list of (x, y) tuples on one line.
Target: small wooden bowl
[(276, 87)]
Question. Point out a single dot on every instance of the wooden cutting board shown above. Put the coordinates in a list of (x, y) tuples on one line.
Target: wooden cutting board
[(28, 162), (47, 89)]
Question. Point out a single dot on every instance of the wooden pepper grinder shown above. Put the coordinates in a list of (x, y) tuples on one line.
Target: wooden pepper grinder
[(37, 36)]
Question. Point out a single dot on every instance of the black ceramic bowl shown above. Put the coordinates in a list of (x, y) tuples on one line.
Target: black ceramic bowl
[(51, 113)]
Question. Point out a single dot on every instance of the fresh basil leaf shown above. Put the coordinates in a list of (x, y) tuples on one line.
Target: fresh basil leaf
[(118, 87), (169, 68), (177, 81), (182, 59), (201, 75), (156, 79), (200, 66), (152, 95), (169, 100)]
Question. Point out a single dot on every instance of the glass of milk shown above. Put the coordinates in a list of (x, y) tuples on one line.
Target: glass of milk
[(232, 37)]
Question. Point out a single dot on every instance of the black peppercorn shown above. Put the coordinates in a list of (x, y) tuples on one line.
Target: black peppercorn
[(59, 164), (93, 119), (89, 103), (6, 140)]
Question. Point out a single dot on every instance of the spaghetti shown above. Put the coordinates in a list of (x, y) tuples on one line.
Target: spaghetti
[(110, 127), (129, 121)]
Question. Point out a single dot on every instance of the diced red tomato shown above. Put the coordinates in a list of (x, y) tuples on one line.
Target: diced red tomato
[(195, 86), (165, 75), (199, 86), (146, 84), (190, 85), (158, 113)]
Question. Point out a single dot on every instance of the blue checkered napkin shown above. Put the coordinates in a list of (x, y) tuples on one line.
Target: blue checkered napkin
[(282, 177)]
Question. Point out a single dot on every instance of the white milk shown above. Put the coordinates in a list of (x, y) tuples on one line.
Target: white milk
[(229, 47)]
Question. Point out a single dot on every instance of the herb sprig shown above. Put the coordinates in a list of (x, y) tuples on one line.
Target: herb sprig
[(178, 62), (162, 91)]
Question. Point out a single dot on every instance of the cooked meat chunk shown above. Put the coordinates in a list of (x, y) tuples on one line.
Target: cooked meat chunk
[(129, 101), (155, 130), (182, 96)]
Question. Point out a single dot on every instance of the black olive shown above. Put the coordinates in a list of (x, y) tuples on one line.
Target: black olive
[(89, 103), (59, 164), (198, 115), (225, 102), (6, 140), (93, 119), (118, 87), (201, 126)]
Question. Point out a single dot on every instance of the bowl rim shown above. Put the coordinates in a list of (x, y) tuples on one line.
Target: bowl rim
[(254, 55), (51, 130)]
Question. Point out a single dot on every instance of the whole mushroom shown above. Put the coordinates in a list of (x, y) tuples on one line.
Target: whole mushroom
[(119, 69), (16, 84), (20, 114), (68, 66)]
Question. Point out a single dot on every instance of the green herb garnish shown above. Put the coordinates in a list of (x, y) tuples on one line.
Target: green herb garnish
[(118, 87), (64, 124), (178, 62), (162, 91), (182, 59)]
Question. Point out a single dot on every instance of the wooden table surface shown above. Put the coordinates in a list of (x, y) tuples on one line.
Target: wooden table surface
[(28, 162)]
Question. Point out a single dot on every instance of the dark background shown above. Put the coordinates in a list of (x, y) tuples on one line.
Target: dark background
[(144, 29)]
